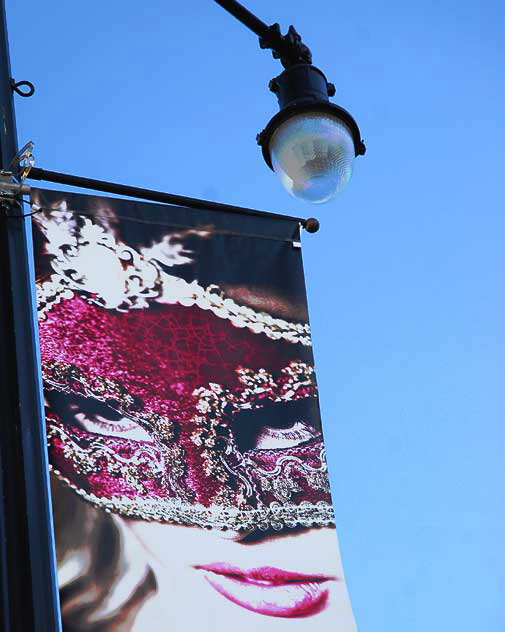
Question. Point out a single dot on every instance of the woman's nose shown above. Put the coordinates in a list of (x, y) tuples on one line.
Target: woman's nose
[(234, 536)]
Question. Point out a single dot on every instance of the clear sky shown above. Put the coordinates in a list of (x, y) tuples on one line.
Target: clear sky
[(405, 277)]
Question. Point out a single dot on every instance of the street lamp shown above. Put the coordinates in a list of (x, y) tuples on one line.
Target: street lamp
[(310, 143)]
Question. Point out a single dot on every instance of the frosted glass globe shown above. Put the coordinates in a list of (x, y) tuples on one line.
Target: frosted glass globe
[(312, 153)]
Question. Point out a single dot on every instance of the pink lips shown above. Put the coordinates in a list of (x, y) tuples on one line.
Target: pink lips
[(270, 591)]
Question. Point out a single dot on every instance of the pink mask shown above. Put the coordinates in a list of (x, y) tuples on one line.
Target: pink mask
[(169, 402)]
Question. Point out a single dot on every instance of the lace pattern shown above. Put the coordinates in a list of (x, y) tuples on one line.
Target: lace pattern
[(275, 516), (88, 261)]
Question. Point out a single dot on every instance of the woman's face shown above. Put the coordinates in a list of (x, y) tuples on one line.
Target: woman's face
[(209, 580)]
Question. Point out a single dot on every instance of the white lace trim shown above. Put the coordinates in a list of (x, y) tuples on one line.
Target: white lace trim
[(275, 516), (89, 262)]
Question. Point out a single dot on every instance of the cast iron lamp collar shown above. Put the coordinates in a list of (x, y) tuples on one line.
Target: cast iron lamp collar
[(310, 143)]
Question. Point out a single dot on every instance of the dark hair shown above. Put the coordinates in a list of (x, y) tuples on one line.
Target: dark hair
[(96, 554)]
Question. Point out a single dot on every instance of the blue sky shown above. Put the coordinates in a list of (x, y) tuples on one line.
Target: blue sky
[(405, 277)]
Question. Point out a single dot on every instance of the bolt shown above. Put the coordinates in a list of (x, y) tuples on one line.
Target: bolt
[(273, 86)]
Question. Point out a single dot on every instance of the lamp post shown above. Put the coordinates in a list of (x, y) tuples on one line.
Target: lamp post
[(29, 598), (310, 144)]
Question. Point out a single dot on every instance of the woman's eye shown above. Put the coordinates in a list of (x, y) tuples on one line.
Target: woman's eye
[(270, 438), (96, 417), (122, 427), (277, 426)]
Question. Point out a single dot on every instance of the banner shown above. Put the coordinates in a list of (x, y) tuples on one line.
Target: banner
[(190, 486)]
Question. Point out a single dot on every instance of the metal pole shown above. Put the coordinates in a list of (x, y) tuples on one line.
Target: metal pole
[(245, 16), (288, 48), (36, 173), (29, 598)]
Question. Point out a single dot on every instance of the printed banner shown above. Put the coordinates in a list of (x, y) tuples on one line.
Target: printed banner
[(190, 486)]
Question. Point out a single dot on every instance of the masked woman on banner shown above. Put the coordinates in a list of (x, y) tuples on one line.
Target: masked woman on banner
[(190, 485)]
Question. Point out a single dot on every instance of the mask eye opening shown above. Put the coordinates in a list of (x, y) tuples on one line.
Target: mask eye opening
[(277, 418)]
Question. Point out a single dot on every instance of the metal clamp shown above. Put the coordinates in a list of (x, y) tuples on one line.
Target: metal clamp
[(22, 162), (9, 188)]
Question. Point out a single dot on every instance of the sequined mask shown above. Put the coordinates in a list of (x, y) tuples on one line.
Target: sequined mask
[(168, 401)]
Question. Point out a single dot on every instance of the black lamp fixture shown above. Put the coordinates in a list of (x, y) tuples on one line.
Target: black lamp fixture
[(310, 143)]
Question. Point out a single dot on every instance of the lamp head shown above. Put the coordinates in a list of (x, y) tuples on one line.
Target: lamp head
[(310, 143)]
